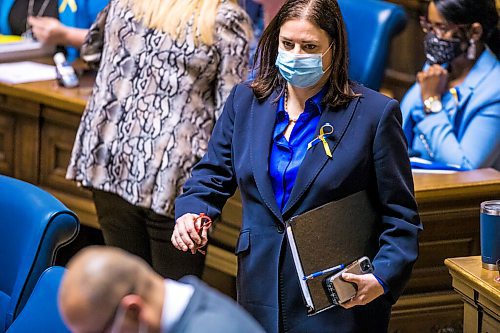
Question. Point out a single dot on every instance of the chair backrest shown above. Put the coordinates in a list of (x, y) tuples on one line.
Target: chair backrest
[(40, 314), (33, 226), (371, 25)]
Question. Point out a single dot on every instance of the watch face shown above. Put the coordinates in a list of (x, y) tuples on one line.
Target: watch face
[(436, 106)]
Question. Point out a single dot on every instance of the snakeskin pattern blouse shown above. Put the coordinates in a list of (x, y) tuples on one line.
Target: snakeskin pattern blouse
[(154, 104)]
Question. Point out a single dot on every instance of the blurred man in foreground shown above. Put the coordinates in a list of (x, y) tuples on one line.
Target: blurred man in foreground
[(109, 290)]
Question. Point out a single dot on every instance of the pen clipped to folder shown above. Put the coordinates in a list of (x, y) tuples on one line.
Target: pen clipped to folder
[(323, 272)]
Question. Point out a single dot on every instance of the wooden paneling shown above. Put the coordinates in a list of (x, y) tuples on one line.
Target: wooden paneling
[(58, 135), (19, 137), (7, 135), (427, 312)]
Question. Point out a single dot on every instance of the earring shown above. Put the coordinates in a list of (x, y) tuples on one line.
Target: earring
[(471, 50)]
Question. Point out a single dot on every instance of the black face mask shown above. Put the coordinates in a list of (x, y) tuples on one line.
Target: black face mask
[(441, 51)]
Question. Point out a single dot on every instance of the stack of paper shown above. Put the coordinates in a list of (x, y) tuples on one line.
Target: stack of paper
[(26, 71)]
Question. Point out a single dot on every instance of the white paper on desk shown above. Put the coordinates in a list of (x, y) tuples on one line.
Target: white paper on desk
[(26, 71)]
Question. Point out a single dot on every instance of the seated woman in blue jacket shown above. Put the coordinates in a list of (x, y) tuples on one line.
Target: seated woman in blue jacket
[(261, 145), (56, 22), (452, 113)]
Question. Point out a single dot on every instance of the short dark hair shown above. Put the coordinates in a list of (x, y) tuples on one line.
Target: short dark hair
[(483, 12), (326, 15)]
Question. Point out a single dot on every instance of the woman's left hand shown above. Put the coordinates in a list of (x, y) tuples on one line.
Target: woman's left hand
[(186, 235), (368, 289)]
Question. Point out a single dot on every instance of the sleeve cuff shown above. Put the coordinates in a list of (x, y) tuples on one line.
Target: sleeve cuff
[(386, 288)]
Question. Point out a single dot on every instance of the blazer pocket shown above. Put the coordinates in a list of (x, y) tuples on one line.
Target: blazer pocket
[(243, 243)]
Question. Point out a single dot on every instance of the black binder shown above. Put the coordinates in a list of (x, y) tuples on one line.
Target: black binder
[(335, 233)]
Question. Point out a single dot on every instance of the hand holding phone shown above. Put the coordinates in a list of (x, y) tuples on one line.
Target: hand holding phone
[(340, 291)]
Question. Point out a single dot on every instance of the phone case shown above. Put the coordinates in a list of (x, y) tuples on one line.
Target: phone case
[(344, 290)]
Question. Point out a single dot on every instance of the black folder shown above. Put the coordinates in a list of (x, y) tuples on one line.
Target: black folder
[(336, 233)]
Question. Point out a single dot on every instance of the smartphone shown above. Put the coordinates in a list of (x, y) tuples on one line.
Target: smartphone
[(340, 291), (66, 75)]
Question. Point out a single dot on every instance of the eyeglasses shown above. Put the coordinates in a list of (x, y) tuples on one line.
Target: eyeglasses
[(439, 29), (205, 223)]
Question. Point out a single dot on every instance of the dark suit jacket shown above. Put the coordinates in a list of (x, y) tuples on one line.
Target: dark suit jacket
[(369, 152), (209, 311)]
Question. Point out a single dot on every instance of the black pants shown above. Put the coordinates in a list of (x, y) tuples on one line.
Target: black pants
[(146, 234)]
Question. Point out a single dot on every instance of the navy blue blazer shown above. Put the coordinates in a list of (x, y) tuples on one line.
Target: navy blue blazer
[(369, 152)]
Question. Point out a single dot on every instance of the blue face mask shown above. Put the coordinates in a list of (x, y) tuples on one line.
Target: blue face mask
[(301, 70)]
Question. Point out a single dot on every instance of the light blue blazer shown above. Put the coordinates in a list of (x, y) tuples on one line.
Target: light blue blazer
[(467, 131), (82, 15)]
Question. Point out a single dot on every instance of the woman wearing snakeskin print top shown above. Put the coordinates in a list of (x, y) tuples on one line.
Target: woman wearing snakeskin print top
[(166, 69)]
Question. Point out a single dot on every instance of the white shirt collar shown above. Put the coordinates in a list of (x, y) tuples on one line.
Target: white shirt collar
[(177, 297)]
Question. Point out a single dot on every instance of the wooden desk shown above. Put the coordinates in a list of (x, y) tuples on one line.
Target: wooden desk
[(480, 293), (449, 210), (38, 122)]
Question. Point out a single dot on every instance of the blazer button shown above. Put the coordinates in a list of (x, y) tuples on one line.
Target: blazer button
[(280, 228)]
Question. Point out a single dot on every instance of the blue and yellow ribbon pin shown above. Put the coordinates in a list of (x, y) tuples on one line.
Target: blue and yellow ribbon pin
[(325, 131)]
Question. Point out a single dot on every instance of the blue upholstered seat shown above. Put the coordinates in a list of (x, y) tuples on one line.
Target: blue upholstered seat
[(371, 25), (40, 314), (33, 226)]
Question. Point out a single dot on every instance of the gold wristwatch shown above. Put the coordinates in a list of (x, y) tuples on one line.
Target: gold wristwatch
[(433, 105)]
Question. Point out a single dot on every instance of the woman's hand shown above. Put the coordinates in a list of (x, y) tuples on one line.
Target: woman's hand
[(433, 82), (186, 236), (48, 30), (368, 289)]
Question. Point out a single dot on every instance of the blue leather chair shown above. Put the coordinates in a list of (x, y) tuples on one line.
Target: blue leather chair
[(371, 25), (33, 226), (40, 314)]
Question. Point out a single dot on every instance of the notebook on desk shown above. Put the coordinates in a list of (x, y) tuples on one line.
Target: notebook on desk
[(335, 233)]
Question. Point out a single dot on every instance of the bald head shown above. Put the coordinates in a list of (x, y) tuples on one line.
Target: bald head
[(96, 281)]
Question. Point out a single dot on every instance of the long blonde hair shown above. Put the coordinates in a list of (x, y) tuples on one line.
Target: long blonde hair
[(173, 16)]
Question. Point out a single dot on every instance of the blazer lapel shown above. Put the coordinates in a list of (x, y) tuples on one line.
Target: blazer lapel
[(263, 117), (316, 157), (465, 93)]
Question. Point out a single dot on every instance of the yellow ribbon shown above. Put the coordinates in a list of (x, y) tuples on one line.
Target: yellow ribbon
[(454, 93), (325, 131), (71, 3)]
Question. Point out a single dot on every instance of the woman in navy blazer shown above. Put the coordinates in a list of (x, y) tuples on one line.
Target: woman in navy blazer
[(259, 144)]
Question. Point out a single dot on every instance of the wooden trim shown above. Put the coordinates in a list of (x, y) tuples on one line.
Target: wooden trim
[(462, 273)]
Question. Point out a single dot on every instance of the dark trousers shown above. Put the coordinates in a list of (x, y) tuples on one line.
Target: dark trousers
[(146, 234)]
